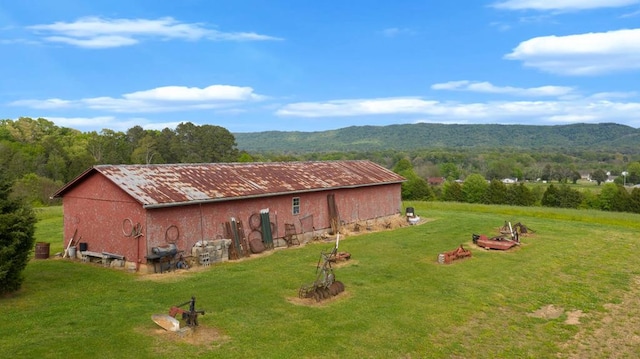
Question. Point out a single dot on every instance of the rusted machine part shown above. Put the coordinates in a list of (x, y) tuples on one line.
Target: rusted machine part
[(340, 256), (306, 291), (319, 292), (325, 285), (189, 316), (498, 242), (458, 253)]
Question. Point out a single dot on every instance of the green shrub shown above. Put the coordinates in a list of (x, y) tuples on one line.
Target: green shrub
[(17, 227)]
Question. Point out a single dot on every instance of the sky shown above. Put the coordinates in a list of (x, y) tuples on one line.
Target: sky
[(275, 65)]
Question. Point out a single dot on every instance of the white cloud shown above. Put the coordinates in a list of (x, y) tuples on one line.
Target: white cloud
[(487, 87), (612, 95), (583, 54), (98, 42), (395, 31), (87, 122), (356, 107), (631, 14), (561, 4), (97, 32), (111, 122), (160, 99), (181, 93), (52, 103), (550, 112)]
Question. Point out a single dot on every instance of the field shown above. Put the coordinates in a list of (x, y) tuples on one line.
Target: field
[(571, 290)]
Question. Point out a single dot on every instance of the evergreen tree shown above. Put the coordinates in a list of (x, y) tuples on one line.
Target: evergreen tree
[(475, 189), (496, 192), (562, 196), (452, 192), (17, 227), (520, 195)]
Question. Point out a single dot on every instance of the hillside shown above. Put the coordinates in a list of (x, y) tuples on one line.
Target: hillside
[(605, 136)]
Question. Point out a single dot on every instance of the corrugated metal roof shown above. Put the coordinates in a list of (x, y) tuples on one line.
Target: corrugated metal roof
[(176, 184)]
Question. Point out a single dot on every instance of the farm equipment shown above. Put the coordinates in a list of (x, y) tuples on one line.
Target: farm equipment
[(170, 323), (498, 242), (325, 286), (509, 237), (458, 253), (521, 229)]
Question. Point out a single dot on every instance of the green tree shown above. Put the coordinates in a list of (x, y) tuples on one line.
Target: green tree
[(575, 176), (499, 169), (634, 200), (146, 150), (496, 192), (562, 196), (634, 173), (599, 176), (551, 198), (449, 171), (402, 166), (520, 195), (36, 190), (452, 192), (17, 227), (416, 189), (475, 188), (614, 197), (207, 143)]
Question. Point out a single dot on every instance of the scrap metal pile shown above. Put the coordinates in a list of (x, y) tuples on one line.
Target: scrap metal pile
[(325, 286)]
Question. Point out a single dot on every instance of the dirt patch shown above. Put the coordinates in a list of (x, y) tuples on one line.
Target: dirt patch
[(552, 312), (611, 334), (205, 337), (573, 317), (310, 302), (548, 312)]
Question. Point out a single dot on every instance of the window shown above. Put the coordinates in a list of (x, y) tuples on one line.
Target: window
[(295, 205)]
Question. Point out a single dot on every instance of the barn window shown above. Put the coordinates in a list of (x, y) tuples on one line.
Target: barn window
[(295, 205)]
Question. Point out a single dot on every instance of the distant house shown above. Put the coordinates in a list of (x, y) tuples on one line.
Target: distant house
[(436, 181), (181, 204)]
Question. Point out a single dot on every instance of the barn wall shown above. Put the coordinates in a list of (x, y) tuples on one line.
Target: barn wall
[(97, 209), (205, 221)]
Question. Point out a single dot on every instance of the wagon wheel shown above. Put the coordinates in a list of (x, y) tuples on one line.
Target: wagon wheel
[(127, 227), (172, 234), (255, 221)]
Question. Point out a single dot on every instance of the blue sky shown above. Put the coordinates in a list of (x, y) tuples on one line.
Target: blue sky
[(292, 65)]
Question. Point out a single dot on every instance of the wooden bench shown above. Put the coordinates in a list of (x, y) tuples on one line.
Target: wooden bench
[(104, 257)]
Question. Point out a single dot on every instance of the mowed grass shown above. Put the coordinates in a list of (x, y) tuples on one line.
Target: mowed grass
[(399, 302)]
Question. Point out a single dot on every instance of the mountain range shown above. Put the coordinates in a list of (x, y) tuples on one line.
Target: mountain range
[(598, 137)]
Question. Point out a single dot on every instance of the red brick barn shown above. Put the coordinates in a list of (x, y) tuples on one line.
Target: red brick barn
[(128, 210)]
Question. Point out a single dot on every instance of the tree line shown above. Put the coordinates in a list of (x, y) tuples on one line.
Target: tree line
[(611, 196), (38, 157)]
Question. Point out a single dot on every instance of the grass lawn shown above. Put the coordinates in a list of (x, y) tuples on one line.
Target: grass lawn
[(568, 291)]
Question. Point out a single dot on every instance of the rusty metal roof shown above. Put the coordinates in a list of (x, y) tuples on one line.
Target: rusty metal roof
[(179, 184)]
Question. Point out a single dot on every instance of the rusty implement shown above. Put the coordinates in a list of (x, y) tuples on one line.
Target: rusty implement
[(169, 321), (450, 256), (498, 242), (325, 286)]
